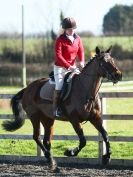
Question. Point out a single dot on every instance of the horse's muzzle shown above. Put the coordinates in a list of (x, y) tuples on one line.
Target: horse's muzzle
[(119, 75), (116, 76)]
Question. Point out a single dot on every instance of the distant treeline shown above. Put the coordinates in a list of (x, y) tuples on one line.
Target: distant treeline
[(40, 55), (41, 50)]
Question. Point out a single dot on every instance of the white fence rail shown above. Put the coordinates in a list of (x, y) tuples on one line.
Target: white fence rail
[(105, 117)]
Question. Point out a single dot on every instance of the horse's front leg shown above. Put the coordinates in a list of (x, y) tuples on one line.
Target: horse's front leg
[(82, 141), (97, 122), (106, 156)]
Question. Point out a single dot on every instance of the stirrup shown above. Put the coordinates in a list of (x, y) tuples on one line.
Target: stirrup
[(58, 112)]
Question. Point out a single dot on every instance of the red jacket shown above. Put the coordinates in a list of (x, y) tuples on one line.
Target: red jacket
[(66, 51)]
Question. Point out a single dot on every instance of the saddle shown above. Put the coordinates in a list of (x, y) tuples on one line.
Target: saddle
[(47, 90)]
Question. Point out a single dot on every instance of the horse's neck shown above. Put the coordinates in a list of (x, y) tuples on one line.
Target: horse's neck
[(90, 80)]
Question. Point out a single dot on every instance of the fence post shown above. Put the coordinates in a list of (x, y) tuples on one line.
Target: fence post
[(102, 147), (39, 151)]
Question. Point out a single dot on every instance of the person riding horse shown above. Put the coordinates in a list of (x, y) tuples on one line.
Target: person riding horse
[(67, 47), (82, 104)]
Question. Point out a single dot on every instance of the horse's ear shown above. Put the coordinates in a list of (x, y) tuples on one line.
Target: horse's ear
[(109, 49), (97, 50)]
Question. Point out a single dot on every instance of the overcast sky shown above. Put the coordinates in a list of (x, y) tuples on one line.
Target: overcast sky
[(42, 15)]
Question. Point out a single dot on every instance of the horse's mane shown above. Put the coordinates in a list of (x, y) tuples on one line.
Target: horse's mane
[(89, 62)]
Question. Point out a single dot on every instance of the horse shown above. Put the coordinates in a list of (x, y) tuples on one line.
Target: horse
[(82, 104)]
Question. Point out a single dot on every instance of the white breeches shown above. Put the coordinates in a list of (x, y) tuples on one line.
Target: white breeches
[(59, 74)]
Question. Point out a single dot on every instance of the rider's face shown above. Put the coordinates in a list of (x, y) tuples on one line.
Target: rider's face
[(70, 31)]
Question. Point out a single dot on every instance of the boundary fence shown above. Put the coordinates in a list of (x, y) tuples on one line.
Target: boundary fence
[(101, 149)]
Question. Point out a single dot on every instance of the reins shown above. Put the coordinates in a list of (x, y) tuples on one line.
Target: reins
[(92, 100)]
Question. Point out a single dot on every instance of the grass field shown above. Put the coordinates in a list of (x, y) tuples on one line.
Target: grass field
[(34, 45), (125, 42), (114, 128)]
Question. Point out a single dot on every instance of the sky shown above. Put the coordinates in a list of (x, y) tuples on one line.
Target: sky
[(42, 15)]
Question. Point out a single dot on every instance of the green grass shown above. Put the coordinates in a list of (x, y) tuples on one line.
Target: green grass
[(28, 147), (105, 42), (119, 87), (9, 89), (91, 42), (120, 150), (120, 105), (17, 147)]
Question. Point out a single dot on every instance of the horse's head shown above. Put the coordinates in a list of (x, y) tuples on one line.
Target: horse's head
[(107, 67)]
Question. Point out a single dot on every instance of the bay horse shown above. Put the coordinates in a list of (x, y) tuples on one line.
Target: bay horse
[(82, 104)]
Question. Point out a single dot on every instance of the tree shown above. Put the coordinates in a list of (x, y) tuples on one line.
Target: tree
[(53, 35), (118, 21), (61, 16)]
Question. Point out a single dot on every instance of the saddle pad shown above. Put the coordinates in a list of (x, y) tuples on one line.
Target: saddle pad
[(47, 91)]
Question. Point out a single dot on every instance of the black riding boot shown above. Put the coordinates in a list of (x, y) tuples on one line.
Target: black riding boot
[(56, 109)]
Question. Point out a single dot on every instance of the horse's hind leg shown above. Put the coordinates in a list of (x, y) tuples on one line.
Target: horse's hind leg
[(97, 122), (48, 131), (35, 120), (82, 141), (48, 128)]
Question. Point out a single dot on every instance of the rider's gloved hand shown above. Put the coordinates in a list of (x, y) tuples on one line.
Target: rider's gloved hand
[(81, 65), (72, 68)]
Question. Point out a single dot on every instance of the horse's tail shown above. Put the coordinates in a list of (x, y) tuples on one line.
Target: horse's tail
[(17, 109)]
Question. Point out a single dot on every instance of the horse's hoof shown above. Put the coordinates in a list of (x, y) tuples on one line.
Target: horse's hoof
[(53, 165), (68, 153), (71, 152), (106, 159), (55, 169)]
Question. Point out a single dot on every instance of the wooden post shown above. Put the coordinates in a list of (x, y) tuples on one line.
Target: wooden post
[(39, 151), (23, 52), (102, 147)]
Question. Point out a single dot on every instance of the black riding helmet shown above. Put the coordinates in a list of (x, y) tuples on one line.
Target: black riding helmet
[(68, 22)]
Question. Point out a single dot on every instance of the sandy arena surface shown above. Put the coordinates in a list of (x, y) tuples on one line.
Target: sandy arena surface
[(69, 170)]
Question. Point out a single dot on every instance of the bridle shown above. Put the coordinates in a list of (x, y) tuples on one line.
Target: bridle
[(109, 74)]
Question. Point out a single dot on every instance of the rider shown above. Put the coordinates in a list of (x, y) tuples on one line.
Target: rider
[(67, 47)]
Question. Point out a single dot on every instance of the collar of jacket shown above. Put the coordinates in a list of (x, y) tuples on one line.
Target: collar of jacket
[(65, 36)]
